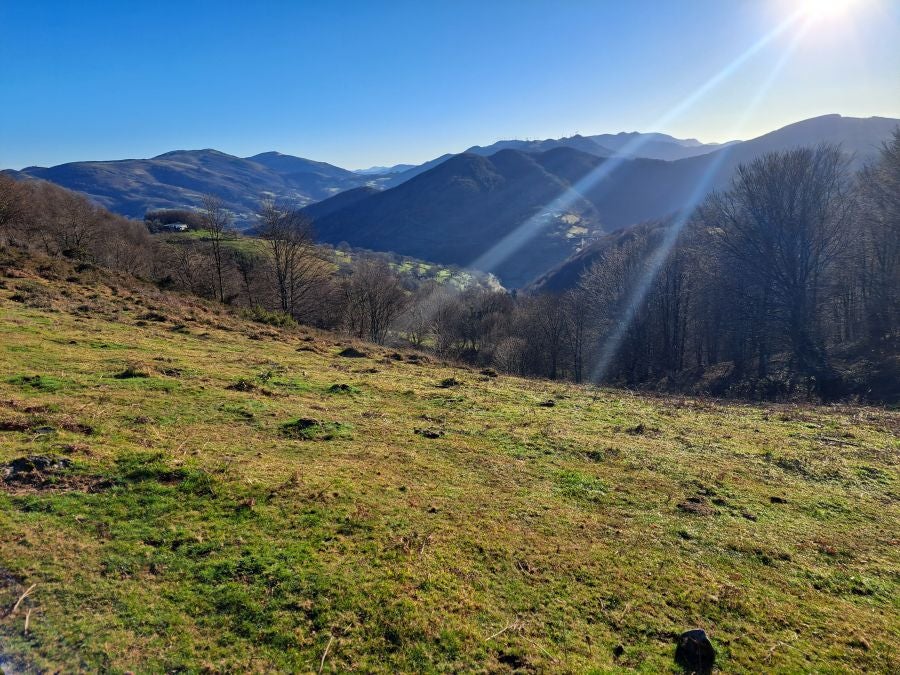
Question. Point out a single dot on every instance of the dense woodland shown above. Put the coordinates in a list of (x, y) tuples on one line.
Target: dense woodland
[(786, 285)]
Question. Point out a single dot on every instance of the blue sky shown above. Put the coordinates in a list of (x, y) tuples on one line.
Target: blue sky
[(362, 83)]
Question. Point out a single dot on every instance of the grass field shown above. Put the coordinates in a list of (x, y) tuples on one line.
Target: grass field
[(230, 506)]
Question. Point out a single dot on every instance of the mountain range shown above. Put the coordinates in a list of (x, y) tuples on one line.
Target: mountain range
[(180, 178), (519, 214), (517, 208)]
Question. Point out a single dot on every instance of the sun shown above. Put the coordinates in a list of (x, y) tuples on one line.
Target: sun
[(828, 9)]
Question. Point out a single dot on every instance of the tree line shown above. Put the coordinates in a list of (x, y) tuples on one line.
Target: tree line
[(786, 284)]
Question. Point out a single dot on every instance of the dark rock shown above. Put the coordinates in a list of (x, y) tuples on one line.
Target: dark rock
[(549, 403), (778, 500), (618, 650), (429, 433), (38, 463), (695, 652), (340, 388), (489, 372)]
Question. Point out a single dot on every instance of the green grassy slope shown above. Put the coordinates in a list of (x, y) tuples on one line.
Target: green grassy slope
[(421, 525)]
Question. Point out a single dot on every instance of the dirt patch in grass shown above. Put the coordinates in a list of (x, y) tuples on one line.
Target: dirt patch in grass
[(153, 316), (42, 426), (352, 353), (242, 384), (308, 429), (39, 473), (15, 425), (697, 506)]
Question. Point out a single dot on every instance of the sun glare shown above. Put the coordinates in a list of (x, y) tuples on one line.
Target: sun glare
[(828, 9)]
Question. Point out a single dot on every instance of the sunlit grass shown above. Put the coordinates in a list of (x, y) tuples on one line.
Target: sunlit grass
[(217, 538)]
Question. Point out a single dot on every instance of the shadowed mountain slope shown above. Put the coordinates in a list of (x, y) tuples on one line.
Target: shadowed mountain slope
[(467, 205), (459, 209)]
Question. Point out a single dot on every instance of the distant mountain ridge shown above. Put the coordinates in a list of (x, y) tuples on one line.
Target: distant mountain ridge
[(180, 178), (384, 170), (631, 144), (506, 210)]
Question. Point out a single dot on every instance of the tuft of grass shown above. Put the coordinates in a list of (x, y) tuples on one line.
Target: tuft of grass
[(42, 383), (579, 485), (343, 389), (133, 370)]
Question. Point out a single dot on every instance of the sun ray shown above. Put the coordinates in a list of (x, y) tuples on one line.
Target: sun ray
[(636, 298), (491, 259)]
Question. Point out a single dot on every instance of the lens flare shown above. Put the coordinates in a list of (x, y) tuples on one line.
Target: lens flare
[(828, 9)]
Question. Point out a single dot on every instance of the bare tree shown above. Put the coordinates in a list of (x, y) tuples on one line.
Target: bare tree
[(879, 241), (247, 264), (549, 317), (12, 202), (217, 223), (68, 223), (577, 317), (297, 268), (374, 300), (784, 223)]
